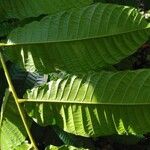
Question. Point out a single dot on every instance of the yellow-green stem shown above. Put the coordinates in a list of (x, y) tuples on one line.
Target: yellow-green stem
[(12, 89)]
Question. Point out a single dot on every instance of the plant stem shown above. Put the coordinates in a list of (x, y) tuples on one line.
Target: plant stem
[(12, 89)]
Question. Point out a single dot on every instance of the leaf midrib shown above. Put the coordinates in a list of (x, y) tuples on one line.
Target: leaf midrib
[(82, 103), (71, 40)]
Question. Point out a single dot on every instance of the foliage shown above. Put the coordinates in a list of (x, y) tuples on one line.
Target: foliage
[(71, 42), (81, 104), (72, 66), (12, 133)]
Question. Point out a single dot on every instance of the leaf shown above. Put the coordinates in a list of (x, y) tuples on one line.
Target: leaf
[(79, 40), (24, 146), (94, 105), (23, 80), (134, 3), (74, 140), (12, 132), (142, 4), (125, 139), (6, 28), (21, 9), (65, 147)]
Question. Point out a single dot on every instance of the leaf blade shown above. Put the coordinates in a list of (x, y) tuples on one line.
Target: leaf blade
[(106, 111), (65, 43), (26, 8), (12, 130)]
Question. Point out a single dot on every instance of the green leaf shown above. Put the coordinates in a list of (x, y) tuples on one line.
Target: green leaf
[(6, 28), (134, 3), (24, 146), (79, 40), (142, 4), (26, 80), (64, 147), (74, 140), (12, 132), (99, 104), (21, 9)]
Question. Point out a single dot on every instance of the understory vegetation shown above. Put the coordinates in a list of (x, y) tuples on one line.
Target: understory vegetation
[(75, 74)]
